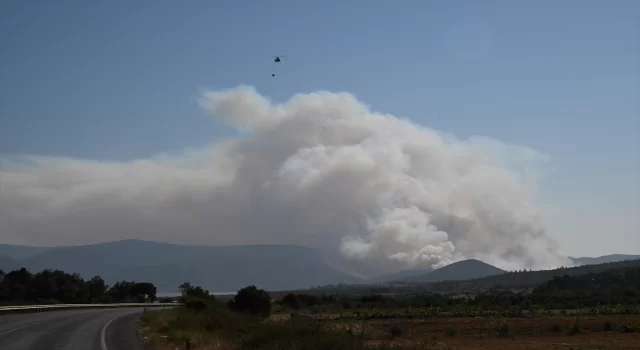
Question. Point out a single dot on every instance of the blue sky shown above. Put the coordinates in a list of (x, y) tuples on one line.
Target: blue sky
[(118, 81)]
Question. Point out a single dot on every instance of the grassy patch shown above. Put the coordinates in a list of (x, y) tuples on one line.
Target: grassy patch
[(216, 324), (395, 331), (629, 328), (506, 330), (289, 336), (575, 328)]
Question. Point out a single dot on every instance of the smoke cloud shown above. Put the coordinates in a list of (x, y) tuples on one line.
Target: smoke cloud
[(372, 192)]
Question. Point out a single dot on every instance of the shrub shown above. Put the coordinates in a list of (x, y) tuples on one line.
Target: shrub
[(196, 304), (608, 326), (628, 328), (395, 331), (575, 327), (506, 330), (251, 300), (291, 301)]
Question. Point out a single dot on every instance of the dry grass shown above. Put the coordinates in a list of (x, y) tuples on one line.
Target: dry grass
[(545, 332), (532, 333), (218, 328), (548, 332)]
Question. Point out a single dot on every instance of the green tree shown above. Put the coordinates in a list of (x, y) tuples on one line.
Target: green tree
[(252, 301), (144, 292), (184, 288), (97, 288), (291, 300), (121, 291), (60, 286)]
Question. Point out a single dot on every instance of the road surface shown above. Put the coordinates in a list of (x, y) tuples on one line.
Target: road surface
[(97, 329)]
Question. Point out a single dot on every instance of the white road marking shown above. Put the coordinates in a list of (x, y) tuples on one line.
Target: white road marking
[(103, 331), (19, 328)]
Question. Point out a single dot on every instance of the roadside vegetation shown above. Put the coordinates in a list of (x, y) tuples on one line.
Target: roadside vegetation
[(240, 323), (601, 309)]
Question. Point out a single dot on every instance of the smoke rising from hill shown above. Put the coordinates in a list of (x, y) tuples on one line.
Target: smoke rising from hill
[(372, 192)]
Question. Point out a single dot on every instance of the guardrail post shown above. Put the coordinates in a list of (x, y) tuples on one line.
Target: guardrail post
[(187, 344)]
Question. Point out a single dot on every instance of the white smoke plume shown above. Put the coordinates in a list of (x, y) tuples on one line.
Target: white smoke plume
[(373, 193)]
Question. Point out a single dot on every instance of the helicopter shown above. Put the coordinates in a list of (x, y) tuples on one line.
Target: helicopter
[(277, 59)]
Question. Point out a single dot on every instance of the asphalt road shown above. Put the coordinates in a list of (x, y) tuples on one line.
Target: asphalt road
[(98, 329)]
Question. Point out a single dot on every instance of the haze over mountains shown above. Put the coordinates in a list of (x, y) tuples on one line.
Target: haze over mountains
[(168, 265), (7, 263), (223, 268), (20, 252), (603, 259)]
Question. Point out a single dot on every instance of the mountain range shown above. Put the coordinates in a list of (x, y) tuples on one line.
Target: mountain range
[(529, 279), (223, 268), (472, 269), (219, 269), (461, 270), (603, 259), (7, 263)]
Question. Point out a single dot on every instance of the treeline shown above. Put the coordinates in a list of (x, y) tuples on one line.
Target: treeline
[(373, 301), (617, 287), (249, 300), (513, 279), (610, 288), (56, 286), (360, 289)]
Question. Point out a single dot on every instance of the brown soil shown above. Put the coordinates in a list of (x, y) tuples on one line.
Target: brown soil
[(521, 333), (545, 332), (582, 341)]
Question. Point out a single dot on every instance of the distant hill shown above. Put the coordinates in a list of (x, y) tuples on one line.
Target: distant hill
[(398, 276), (478, 269), (217, 268), (528, 278), (20, 252), (8, 264), (603, 259), (228, 268), (461, 270)]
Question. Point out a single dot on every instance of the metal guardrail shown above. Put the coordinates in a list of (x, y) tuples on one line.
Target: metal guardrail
[(53, 307)]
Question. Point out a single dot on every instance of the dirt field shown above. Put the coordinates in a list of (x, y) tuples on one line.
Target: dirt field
[(583, 341), (522, 333), (550, 332)]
